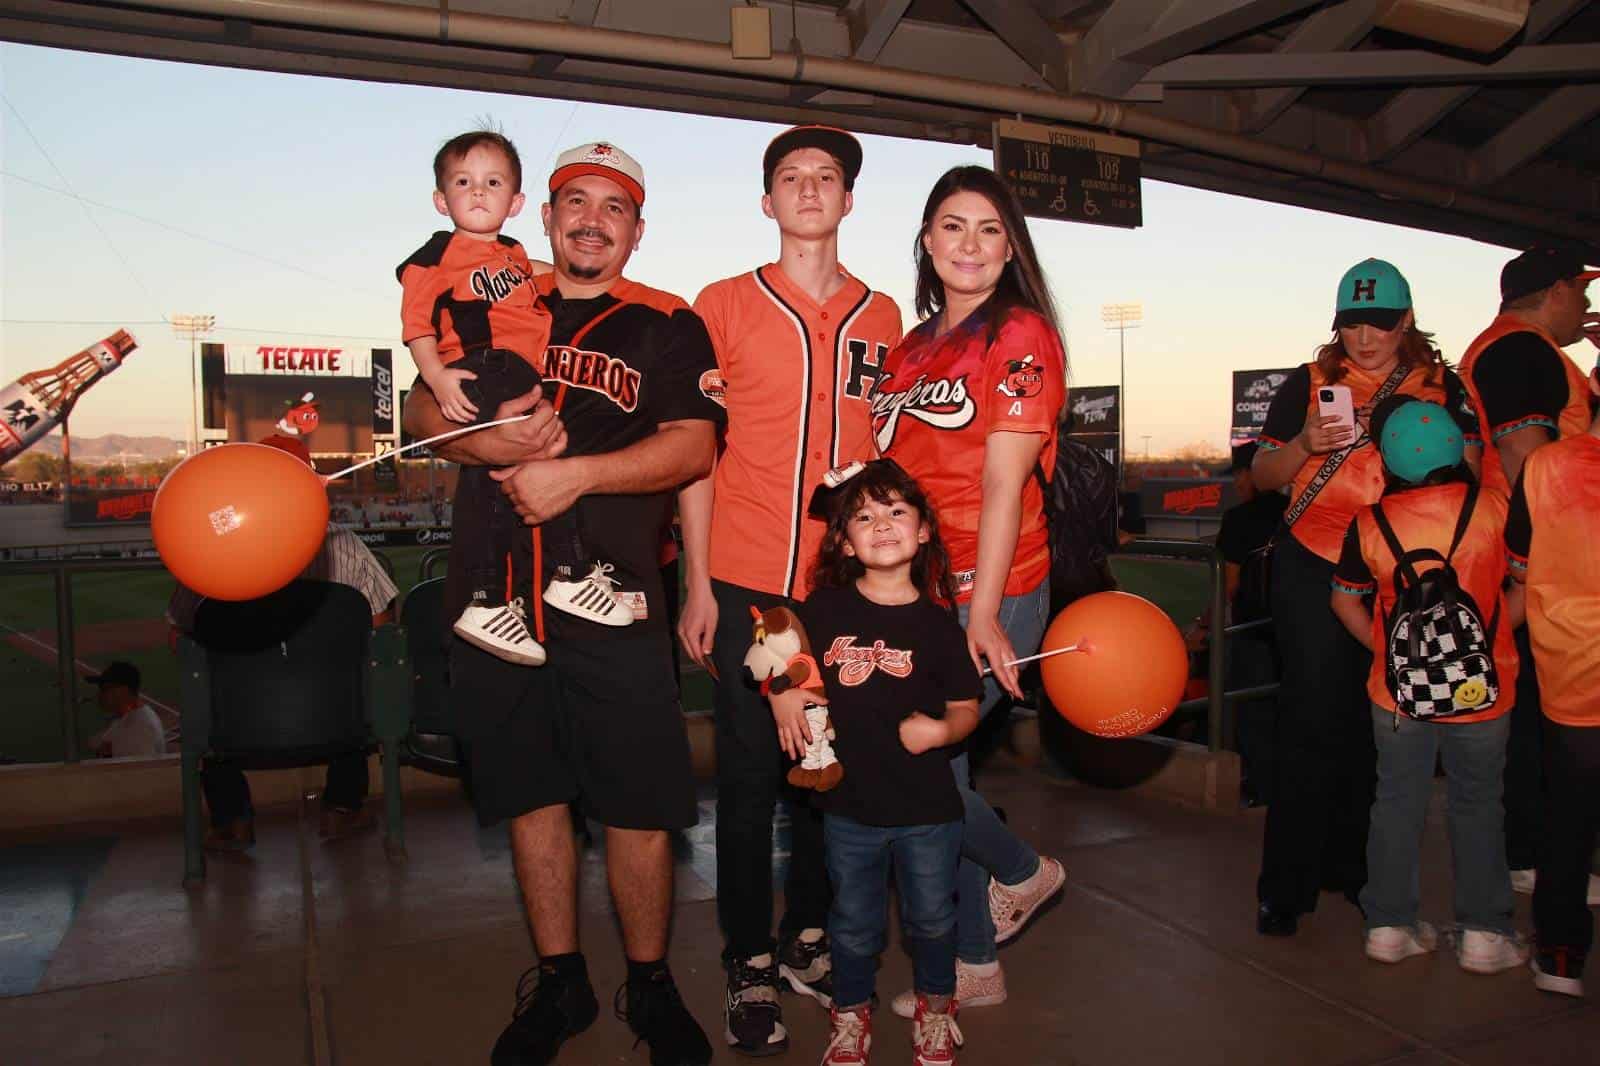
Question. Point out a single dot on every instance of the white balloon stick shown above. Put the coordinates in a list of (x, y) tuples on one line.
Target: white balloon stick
[(425, 443), (1034, 658)]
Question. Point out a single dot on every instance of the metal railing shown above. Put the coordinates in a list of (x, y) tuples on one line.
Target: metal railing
[(1221, 722)]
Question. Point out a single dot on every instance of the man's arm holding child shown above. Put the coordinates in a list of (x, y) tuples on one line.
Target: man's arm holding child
[(540, 436)]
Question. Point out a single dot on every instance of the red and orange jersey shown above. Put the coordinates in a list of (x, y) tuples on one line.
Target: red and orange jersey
[(1518, 376), (1426, 518), (795, 377), (1551, 537), (472, 294), (937, 402), (1359, 482)]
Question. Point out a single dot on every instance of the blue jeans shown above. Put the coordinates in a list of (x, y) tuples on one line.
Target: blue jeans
[(924, 858), (1474, 755), (987, 845)]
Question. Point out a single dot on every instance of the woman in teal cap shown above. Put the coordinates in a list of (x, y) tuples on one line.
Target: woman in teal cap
[(1316, 832)]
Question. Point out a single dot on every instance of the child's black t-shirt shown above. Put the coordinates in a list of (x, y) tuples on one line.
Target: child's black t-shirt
[(880, 663)]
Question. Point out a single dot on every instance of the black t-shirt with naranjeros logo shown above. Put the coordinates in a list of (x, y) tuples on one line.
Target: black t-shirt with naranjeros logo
[(880, 663)]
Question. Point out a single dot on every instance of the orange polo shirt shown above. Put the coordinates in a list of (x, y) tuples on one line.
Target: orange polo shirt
[(1518, 377), (1426, 518), (796, 377), (1553, 538)]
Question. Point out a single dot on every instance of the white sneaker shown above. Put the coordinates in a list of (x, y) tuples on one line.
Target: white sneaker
[(593, 597), (1392, 943), (502, 631), (1480, 951), (1558, 971), (976, 986), (1524, 881), (1011, 906)]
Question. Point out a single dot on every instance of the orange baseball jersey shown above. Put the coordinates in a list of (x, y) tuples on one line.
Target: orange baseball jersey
[(795, 377), (1518, 377), (1426, 518), (1551, 538), (472, 294), (1359, 482), (937, 402)]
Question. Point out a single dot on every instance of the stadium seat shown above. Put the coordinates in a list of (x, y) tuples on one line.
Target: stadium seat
[(289, 680), (430, 744)]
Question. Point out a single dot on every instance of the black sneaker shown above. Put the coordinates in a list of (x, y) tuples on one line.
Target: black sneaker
[(656, 1014), (808, 968), (549, 1009), (752, 1018)]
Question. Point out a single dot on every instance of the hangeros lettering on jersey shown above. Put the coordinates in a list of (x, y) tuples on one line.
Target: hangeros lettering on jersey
[(942, 403), (594, 371)]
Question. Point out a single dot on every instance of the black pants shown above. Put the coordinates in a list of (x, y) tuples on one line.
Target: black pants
[(1252, 662), (228, 793), (1525, 784), (750, 778), (503, 375), (1316, 834), (1561, 917)]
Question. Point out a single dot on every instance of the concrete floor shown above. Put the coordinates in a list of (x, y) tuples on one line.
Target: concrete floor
[(305, 952)]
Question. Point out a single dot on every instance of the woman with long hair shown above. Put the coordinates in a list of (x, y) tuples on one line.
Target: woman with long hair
[(968, 404), (1316, 834)]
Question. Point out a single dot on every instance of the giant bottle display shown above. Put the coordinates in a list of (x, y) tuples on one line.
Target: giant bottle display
[(35, 403)]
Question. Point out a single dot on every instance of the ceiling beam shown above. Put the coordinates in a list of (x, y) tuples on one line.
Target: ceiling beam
[(872, 23), (1548, 62), (1026, 33), (1333, 29), (1534, 131), (1410, 114), (1135, 35)]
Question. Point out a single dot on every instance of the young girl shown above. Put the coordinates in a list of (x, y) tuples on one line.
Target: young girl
[(902, 694)]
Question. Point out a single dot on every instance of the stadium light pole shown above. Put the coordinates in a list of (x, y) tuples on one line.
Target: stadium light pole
[(1122, 318), (194, 327)]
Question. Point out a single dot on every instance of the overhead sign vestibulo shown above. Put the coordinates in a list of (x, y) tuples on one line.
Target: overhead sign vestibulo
[(1066, 173)]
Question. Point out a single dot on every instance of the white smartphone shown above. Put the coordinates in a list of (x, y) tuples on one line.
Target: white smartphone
[(1335, 400)]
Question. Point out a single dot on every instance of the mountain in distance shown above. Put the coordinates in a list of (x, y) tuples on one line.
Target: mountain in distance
[(113, 446)]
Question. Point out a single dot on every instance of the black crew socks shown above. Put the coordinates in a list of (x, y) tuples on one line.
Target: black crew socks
[(567, 967)]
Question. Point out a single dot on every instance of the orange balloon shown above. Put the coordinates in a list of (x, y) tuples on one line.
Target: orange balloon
[(239, 521), (1129, 671)]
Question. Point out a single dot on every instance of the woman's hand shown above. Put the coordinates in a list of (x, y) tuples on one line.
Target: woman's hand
[(986, 640), (789, 713), (697, 623), (919, 733), (1323, 434)]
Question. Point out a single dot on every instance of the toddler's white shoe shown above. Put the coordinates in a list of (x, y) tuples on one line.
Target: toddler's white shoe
[(502, 631), (593, 597)]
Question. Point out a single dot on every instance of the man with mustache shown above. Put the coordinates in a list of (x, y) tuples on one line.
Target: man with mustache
[(799, 343), (599, 723)]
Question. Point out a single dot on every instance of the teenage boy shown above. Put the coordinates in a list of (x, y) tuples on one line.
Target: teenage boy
[(477, 331), (599, 723), (799, 344), (1528, 392), (1550, 536)]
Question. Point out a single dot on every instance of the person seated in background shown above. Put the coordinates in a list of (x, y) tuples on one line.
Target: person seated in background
[(136, 729), (1247, 528), (344, 559)]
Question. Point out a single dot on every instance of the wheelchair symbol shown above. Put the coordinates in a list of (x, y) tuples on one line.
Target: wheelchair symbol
[(1059, 204), (1090, 208)]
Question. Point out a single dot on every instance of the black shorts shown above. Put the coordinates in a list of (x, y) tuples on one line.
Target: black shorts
[(599, 722)]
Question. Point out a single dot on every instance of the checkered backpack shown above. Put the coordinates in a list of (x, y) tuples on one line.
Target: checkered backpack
[(1440, 659)]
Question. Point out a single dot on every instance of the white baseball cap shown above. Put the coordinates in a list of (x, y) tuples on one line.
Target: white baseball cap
[(605, 160)]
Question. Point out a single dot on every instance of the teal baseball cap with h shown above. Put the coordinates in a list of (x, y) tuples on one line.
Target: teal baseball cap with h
[(1372, 293), (1416, 437)]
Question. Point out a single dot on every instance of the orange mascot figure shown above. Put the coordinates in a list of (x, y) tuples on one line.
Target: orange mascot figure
[(780, 659)]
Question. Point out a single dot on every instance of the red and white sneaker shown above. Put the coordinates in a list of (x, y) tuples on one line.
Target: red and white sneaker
[(851, 1040), (934, 1035)]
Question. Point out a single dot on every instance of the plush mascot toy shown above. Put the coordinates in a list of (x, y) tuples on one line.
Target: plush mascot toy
[(780, 659)]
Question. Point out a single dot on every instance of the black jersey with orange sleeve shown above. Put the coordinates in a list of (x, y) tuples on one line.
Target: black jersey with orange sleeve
[(618, 366), (472, 294)]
